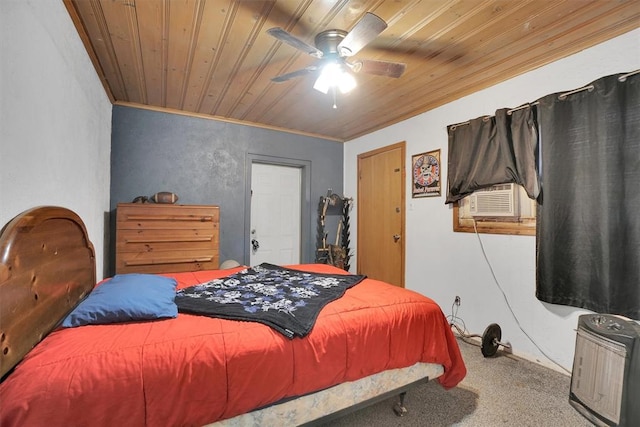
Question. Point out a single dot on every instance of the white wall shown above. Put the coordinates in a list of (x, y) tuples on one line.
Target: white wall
[(55, 118), (442, 264)]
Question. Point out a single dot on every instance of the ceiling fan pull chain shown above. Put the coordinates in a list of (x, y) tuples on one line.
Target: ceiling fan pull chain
[(333, 90)]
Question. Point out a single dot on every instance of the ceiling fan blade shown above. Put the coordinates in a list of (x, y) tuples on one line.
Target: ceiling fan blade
[(287, 38), (361, 34), (284, 77), (379, 68)]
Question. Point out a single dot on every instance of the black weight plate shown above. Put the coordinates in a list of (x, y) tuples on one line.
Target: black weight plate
[(490, 340)]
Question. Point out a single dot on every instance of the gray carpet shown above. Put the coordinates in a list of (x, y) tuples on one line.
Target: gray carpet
[(503, 390)]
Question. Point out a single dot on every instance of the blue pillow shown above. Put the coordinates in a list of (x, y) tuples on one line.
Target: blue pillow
[(126, 298)]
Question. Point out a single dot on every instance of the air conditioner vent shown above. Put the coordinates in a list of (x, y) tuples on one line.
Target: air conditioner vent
[(499, 200)]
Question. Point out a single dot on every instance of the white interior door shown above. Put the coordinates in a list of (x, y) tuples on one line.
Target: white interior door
[(275, 214)]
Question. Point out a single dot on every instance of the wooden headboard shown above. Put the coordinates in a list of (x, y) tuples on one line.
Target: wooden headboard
[(47, 265)]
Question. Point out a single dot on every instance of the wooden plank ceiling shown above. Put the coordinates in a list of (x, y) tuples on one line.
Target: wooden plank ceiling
[(214, 58)]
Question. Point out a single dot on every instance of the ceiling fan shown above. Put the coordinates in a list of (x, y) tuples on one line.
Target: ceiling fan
[(333, 48)]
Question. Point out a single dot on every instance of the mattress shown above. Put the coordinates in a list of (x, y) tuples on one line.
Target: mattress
[(196, 370)]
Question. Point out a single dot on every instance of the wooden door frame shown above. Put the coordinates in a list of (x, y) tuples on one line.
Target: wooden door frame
[(402, 145), (305, 201)]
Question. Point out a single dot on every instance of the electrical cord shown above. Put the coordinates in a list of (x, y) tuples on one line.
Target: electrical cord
[(461, 330), (453, 318), (509, 305)]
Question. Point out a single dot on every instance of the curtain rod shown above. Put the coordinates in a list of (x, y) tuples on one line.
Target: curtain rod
[(561, 97)]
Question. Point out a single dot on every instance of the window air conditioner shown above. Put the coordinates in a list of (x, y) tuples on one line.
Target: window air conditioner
[(498, 200)]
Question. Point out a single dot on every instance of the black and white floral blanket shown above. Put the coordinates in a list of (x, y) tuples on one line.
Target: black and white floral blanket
[(285, 299)]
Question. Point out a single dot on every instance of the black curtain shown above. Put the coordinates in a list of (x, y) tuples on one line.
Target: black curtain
[(493, 150), (588, 222)]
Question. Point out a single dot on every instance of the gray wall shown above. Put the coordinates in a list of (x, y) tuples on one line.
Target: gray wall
[(209, 162)]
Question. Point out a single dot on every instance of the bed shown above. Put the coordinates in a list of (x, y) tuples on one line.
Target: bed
[(193, 370)]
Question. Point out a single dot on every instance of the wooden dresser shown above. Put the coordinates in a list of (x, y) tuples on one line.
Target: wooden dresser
[(163, 238)]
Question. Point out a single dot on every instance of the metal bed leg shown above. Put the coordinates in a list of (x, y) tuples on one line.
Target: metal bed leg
[(399, 407)]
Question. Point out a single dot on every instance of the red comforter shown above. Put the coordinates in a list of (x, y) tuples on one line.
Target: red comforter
[(194, 370)]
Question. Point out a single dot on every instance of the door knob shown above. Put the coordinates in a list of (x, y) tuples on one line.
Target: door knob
[(255, 244), (396, 237)]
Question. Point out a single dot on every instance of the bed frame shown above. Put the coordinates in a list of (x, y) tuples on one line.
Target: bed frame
[(48, 266)]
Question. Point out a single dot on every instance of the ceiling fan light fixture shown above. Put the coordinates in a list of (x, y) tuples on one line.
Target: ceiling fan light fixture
[(334, 75), (347, 82), (322, 84)]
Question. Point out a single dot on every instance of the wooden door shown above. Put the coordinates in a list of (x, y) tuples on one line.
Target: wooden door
[(381, 215)]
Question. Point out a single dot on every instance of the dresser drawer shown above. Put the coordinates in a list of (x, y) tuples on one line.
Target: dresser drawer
[(149, 240), (156, 238), (158, 216), (166, 262)]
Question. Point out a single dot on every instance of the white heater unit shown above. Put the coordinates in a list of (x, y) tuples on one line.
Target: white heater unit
[(498, 200), (605, 381)]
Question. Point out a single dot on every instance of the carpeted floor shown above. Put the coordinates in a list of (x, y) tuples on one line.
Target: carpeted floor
[(499, 391)]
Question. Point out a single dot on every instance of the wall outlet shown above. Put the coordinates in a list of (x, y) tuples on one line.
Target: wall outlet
[(456, 301)]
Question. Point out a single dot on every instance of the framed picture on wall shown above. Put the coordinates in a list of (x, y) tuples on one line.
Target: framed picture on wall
[(425, 172)]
